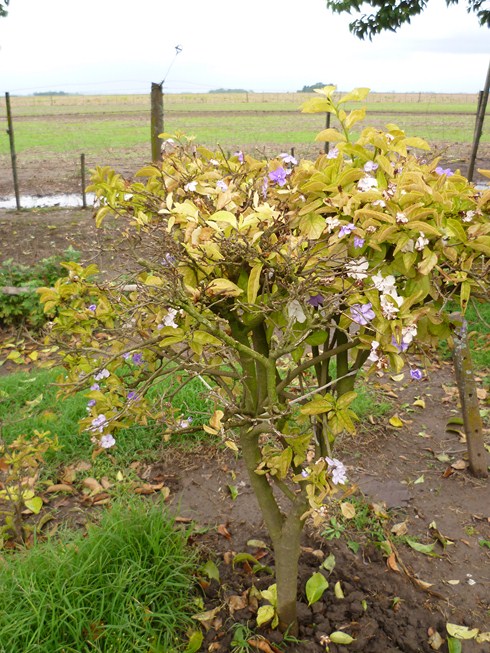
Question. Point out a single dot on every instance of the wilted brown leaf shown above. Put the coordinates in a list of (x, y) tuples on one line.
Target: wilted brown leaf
[(60, 487), (236, 602), (222, 530), (391, 563)]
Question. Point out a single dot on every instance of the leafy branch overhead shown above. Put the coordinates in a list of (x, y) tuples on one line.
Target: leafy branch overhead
[(3, 8), (274, 282), (392, 15)]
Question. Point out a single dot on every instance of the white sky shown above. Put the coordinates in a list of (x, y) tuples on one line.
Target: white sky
[(121, 46)]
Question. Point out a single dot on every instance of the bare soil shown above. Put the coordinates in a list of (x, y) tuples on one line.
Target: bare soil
[(391, 604)]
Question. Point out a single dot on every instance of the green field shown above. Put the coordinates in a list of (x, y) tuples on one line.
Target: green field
[(115, 130)]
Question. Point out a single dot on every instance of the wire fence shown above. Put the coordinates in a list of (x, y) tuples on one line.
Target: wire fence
[(51, 132)]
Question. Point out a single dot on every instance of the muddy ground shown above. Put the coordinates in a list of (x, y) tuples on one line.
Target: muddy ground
[(415, 473)]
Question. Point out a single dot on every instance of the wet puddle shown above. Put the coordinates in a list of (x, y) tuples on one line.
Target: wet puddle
[(67, 201)]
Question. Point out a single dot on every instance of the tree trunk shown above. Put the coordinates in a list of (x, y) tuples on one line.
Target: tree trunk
[(286, 553)]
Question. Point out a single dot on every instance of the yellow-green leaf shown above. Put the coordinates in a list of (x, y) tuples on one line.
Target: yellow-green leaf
[(330, 135), (315, 587), (264, 614), (223, 287), (461, 632), (396, 422), (254, 283), (34, 505)]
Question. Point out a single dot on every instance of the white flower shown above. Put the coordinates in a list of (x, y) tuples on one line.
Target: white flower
[(288, 158), (107, 441), (401, 218), (373, 355), (408, 333), (385, 284), (356, 269), (421, 242), (331, 224), (468, 216), (214, 162), (333, 153), (390, 305), (99, 423), (191, 186), (337, 470), (169, 319), (103, 374), (296, 312), (370, 166), (380, 203), (367, 183)]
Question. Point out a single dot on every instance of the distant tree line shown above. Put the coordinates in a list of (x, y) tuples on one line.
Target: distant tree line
[(229, 90), (312, 87), (52, 93)]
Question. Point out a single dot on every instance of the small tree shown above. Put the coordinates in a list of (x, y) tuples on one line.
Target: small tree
[(275, 282), (392, 15)]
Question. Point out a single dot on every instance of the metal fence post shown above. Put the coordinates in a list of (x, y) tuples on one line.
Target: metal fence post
[(13, 155)]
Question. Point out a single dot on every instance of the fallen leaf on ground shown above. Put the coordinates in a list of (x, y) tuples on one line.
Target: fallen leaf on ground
[(461, 632), (60, 487), (396, 422), (400, 529), (459, 464), (222, 530), (348, 510), (435, 640)]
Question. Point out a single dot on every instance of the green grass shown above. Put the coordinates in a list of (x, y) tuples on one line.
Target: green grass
[(126, 586), (278, 121), (478, 317), (46, 412)]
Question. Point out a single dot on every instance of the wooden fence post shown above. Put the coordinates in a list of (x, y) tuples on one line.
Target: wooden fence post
[(82, 172), (480, 117), (156, 122), (465, 379), (13, 155), (327, 126)]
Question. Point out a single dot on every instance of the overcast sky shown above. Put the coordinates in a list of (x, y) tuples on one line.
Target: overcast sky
[(121, 46)]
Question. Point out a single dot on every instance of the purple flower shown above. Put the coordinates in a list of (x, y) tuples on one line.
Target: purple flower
[(315, 300), (137, 359), (92, 307), (91, 403), (333, 153), (169, 260), (444, 171), (107, 441), (95, 386), (279, 176), (221, 185), (346, 229), (132, 396), (401, 346), (99, 423), (362, 314), (239, 155), (416, 374), (126, 355), (358, 242)]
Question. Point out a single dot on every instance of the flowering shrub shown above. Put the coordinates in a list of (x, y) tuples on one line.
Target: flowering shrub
[(275, 282)]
